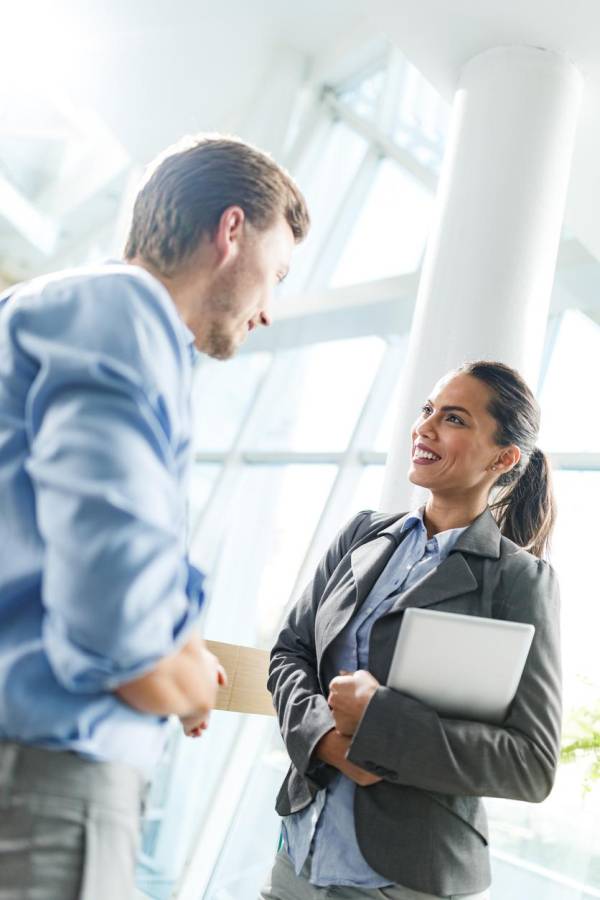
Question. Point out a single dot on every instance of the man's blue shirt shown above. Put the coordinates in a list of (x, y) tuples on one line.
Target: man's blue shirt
[(327, 826), (95, 451)]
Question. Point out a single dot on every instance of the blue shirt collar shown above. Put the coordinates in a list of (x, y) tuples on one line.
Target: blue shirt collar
[(188, 335), (445, 540)]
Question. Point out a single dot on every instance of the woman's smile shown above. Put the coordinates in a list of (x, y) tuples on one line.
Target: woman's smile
[(423, 455)]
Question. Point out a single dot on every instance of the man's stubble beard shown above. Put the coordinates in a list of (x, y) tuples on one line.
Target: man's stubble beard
[(220, 344), (222, 340)]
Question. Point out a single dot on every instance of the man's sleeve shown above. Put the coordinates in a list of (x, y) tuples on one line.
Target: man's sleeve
[(106, 469)]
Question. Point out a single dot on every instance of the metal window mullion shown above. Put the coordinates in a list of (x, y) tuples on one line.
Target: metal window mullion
[(372, 458), (552, 332), (387, 111), (369, 68), (384, 144), (383, 385), (313, 130), (575, 462), (307, 155), (206, 850), (291, 458)]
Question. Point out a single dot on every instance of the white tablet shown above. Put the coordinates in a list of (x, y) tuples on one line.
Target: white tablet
[(465, 667)]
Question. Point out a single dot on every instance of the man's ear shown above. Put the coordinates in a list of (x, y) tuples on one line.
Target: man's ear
[(228, 233)]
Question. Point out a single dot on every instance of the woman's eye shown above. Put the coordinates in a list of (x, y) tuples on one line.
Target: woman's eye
[(426, 409), (455, 419)]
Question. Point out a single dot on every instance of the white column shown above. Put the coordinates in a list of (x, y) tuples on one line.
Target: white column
[(489, 265)]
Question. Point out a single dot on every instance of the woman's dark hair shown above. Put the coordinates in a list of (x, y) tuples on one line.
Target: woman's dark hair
[(524, 508)]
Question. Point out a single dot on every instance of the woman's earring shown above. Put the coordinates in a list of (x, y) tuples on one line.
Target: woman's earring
[(493, 468)]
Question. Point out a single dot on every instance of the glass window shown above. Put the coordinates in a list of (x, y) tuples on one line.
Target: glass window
[(253, 838), (314, 396), (368, 490), (568, 421), (203, 478), (264, 534), (181, 801), (363, 96), (551, 850), (385, 433), (389, 236), (422, 115), (326, 177), (221, 397), (578, 499)]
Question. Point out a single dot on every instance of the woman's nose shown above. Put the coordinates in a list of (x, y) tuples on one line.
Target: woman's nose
[(425, 427)]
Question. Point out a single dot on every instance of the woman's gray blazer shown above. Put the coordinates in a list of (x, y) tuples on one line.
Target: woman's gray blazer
[(424, 825)]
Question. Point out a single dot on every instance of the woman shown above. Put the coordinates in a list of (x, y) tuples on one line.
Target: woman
[(382, 797)]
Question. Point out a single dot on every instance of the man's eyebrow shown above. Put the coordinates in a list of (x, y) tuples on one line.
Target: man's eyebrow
[(455, 408)]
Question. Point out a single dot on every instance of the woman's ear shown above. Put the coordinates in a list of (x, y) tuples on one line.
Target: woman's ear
[(507, 459)]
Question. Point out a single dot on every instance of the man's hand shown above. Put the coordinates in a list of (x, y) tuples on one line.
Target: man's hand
[(192, 726), (332, 749), (349, 695), (184, 683)]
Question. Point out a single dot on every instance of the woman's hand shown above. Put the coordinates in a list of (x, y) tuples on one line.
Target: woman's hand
[(349, 695), (332, 749)]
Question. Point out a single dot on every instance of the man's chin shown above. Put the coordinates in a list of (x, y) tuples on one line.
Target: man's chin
[(221, 346)]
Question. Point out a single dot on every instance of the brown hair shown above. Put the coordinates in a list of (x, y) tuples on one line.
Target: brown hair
[(190, 186), (525, 508)]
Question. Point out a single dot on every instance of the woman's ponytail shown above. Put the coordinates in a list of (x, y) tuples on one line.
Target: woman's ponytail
[(526, 509)]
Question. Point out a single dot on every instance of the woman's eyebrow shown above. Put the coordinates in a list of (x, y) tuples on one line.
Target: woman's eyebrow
[(454, 408)]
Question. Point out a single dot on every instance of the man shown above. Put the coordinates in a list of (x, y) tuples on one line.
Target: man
[(98, 604)]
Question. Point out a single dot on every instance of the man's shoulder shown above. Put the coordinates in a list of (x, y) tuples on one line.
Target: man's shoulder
[(114, 307), (116, 283)]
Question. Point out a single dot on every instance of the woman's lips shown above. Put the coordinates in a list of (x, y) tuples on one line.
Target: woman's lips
[(423, 456)]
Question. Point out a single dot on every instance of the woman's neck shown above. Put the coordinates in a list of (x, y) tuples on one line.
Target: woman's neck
[(444, 513)]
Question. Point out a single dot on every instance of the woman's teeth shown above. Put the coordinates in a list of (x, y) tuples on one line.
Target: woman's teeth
[(424, 454)]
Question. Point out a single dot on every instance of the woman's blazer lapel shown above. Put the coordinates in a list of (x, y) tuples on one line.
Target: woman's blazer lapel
[(454, 576), (354, 580)]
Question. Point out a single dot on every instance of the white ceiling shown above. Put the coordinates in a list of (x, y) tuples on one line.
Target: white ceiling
[(157, 69)]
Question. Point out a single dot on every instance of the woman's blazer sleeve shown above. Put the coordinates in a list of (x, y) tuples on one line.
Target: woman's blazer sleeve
[(408, 743), (304, 716)]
